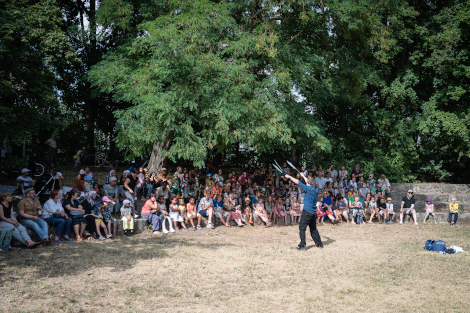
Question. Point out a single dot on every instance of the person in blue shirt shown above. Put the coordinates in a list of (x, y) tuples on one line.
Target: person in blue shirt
[(309, 214)]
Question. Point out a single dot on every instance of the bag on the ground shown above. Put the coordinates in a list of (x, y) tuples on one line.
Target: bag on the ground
[(435, 245)]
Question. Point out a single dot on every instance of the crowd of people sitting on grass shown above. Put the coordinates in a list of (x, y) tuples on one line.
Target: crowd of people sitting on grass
[(177, 202)]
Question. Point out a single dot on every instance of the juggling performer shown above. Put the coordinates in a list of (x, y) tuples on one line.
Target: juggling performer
[(309, 216)]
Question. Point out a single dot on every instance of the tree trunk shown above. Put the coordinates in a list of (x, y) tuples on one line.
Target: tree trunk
[(90, 103), (343, 126), (158, 156), (293, 157)]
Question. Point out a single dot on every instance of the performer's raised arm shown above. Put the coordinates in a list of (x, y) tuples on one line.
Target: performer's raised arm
[(295, 180)]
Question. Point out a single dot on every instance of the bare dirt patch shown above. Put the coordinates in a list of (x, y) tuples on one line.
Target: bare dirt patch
[(380, 268)]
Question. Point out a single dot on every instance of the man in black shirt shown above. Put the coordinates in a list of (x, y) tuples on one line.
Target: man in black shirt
[(356, 173), (260, 179), (408, 207)]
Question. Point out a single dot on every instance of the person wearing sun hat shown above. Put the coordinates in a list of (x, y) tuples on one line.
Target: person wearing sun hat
[(429, 206), (24, 181), (408, 207)]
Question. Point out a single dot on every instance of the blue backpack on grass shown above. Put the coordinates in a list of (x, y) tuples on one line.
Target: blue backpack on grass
[(435, 245)]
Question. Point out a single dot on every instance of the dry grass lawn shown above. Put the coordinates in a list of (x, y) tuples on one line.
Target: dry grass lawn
[(367, 268)]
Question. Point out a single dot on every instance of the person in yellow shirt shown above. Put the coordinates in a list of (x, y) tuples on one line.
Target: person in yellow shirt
[(454, 210)]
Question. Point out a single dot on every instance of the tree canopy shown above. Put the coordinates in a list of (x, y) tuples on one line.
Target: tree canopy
[(381, 83)]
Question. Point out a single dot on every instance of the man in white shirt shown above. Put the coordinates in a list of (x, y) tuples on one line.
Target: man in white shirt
[(328, 179), (332, 171), (218, 178), (24, 181), (320, 181), (57, 179), (52, 150), (164, 191), (206, 209)]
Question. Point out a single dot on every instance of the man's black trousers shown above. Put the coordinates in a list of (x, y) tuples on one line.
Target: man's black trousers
[(308, 219)]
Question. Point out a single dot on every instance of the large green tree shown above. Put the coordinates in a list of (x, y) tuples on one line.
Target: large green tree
[(205, 75), (34, 53)]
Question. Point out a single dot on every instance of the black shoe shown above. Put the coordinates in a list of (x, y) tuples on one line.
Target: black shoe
[(320, 246), (126, 233), (300, 248), (131, 234)]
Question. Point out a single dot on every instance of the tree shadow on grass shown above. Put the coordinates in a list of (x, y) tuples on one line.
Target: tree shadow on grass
[(68, 259)]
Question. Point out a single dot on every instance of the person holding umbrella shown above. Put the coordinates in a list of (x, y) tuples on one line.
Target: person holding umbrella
[(309, 216)]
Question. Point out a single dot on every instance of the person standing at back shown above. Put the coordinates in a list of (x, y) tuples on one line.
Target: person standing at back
[(52, 150), (130, 185), (6, 147)]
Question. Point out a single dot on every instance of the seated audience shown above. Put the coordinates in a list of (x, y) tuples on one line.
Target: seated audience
[(30, 210), (55, 215), (408, 207), (75, 210), (9, 221), (24, 181)]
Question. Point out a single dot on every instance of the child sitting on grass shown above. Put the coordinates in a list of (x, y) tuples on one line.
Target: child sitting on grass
[(127, 219), (98, 215), (175, 215), (429, 210)]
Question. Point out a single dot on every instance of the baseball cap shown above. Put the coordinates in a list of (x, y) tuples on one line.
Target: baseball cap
[(106, 199), (389, 199), (209, 175), (82, 172), (25, 170), (410, 191), (88, 178)]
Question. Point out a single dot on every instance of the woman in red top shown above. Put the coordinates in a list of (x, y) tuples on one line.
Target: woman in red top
[(150, 212)]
